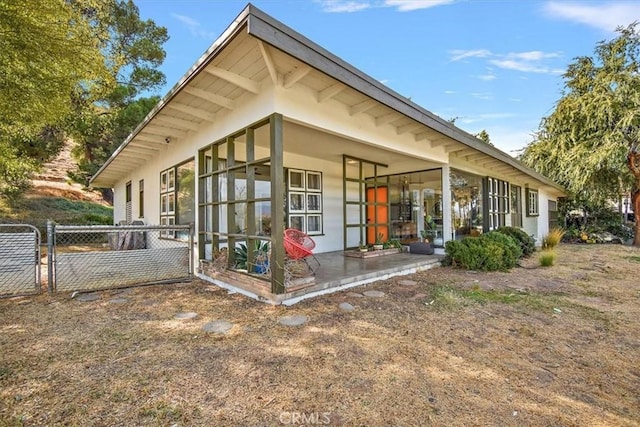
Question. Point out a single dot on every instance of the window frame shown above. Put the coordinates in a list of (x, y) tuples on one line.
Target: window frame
[(298, 214), (168, 197), (533, 202)]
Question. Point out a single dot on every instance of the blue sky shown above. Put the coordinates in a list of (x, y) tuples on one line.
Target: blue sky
[(495, 65)]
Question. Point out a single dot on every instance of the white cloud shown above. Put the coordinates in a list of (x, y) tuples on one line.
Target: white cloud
[(458, 54), (524, 66), (487, 77), (605, 16), (349, 6), (344, 6), (409, 5), (450, 92), (534, 55), (194, 27), (486, 96)]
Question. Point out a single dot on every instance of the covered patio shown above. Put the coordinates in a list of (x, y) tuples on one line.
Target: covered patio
[(336, 272)]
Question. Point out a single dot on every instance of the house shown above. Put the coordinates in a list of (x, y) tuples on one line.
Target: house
[(268, 131)]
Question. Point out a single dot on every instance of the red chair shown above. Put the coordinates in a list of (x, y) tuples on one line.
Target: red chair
[(299, 246)]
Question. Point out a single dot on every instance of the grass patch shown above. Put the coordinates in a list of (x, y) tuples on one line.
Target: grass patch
[(547, 258), (446, 297), (633, 258), (36, 210)]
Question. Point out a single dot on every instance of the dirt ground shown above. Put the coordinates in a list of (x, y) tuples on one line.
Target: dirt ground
[(535, 346)]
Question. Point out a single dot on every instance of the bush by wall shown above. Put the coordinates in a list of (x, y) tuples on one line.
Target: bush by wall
[(527, 243), (488, 252)]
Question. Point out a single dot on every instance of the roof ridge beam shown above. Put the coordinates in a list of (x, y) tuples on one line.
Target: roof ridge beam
[(233, 78), (211, 97), (268, 60)]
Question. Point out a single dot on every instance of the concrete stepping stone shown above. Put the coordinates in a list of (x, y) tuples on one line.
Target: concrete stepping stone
[(345, 306), (118, 300), (186, 315), (374, 294), (88, 297), (218, 327), (295, 320), (355, 295), (407, 282)]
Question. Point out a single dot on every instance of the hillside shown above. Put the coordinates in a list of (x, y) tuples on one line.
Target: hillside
[(54, 197)]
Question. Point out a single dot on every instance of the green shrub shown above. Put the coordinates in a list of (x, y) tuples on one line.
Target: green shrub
[(547, 258), (527, 243), (489, 252)]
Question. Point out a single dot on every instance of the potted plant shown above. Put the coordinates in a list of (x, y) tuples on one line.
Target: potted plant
[(362, 247), (427, 235), (379, 243)]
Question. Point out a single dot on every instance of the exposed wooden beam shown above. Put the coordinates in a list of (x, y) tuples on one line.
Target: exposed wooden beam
[(295, 76), (150, 139), (173, 121), (132, 158), (387, 118), (143, 151), (452, 148), (439, 142), (363, 106), (194, 112), (330, 92), (473, 157), (423, 136), (233, 78), (211, 97), (268, 60), (408, 128), (164, 131)]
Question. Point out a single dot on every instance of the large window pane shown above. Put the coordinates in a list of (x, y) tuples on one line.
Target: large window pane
[(466, 204)]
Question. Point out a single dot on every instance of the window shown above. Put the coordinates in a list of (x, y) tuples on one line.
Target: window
[(141, 198), (532, 202), (127, 196), (177, 197), (553, 214), (304, 196), (498, 201), (516, 206)]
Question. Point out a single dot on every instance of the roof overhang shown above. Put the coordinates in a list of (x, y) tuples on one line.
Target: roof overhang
[(148, 139)]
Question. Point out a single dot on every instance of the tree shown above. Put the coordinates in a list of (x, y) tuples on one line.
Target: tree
[(106, 113), (591, 141), (483, 135), (47, 49)]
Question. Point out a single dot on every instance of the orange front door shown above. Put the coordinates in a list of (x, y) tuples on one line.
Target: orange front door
[(377, 214)]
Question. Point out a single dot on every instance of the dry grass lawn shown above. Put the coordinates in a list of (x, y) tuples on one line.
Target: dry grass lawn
[(535, 346)]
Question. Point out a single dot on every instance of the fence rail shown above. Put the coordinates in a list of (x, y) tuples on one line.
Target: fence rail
[(85, 258), (19, 260)]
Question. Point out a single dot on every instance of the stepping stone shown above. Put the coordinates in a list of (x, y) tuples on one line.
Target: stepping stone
[(407, 282), (88, 297), (149, 302), (118, 300), (374, 294), (295, 320), (186, 315), (355, 295), (345, 306), (418, 296), (218, 326)]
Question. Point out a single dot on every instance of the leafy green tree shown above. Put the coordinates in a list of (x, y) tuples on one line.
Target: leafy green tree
[(591, 141), (47, 50), (106, 113), (484, 136)]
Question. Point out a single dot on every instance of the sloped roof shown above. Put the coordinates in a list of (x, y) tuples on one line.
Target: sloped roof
[(148, 136)]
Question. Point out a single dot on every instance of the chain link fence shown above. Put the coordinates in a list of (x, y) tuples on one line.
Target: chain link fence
[(19, 259), (103, 257)]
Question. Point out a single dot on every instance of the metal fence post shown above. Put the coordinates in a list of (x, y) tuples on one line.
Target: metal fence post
[(50, 246), (191, 251)]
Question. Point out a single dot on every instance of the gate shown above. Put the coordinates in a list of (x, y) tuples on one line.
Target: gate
[(19, 260), (104, 257)]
